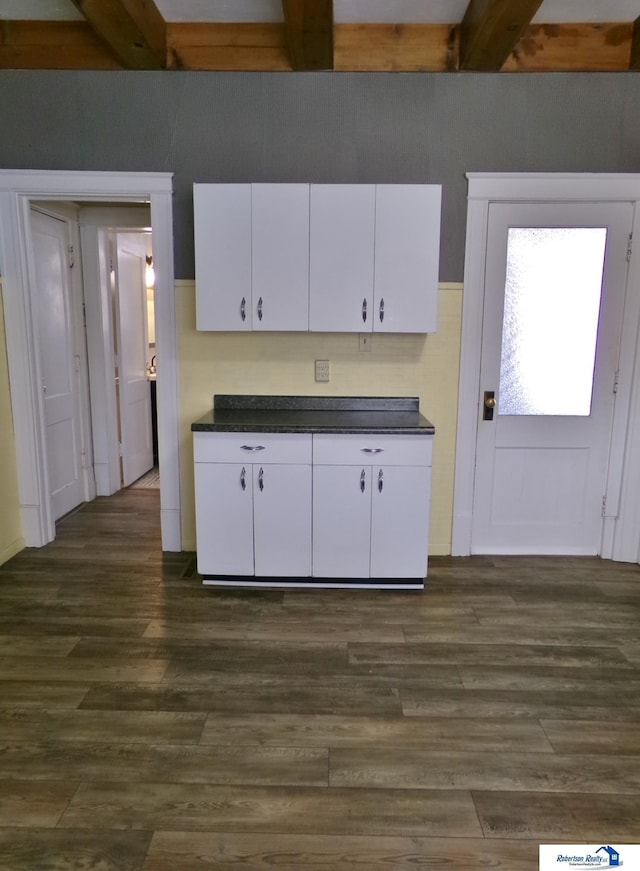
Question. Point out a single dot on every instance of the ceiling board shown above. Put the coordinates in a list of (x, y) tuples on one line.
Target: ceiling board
[(345, 11), (39, 10)]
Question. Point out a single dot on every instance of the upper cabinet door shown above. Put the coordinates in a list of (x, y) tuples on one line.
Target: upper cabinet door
[(222, 232), (407, 244), (341, 258), (280, 250)]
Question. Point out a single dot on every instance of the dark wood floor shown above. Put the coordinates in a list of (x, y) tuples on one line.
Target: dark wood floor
[(149, 723)]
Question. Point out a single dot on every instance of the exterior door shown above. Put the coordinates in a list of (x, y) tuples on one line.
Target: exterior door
[(60, 362), (134, 394), (554, 293)]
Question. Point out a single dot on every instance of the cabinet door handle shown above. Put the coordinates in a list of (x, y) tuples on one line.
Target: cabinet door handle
[(261, 479), (252, 448), (380, 481), (381, 310), (260, 309), (243, 478), (364, 310), (363, 479), (243, 309), (372, 450)]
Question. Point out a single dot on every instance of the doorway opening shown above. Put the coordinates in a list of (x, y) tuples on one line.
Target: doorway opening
[(18, 189)]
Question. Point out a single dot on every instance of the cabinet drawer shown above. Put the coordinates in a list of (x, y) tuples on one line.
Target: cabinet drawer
[(236, 447), (383, 450)]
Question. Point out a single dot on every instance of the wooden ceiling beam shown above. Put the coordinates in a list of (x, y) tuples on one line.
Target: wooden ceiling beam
[(309, 30), (53, 45), (357, 47), (491, 29), (634, 62), (134, 30)]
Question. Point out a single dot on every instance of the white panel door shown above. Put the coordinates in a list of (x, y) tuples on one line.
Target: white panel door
[(59, 361), (554, 291), (222, 231), (280, 256), (282, 520), (133, 387), (341, 258), (341, 521), (224, 518), (400, 521), (407, 246)]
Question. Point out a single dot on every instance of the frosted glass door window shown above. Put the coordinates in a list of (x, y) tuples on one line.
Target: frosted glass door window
[(551, 309)]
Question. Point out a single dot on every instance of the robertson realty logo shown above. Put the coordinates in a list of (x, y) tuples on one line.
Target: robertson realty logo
[(589, 856)]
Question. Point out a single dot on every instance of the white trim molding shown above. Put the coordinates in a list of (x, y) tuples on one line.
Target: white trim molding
[(621, 526), (17, 189)]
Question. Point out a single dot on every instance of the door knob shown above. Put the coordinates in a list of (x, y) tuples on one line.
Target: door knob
[(489, 405)]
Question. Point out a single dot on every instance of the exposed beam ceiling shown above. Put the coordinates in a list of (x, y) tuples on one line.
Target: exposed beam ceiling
[(634, 62), (507, 35), (490, 31), (134, 30), (309, 28)]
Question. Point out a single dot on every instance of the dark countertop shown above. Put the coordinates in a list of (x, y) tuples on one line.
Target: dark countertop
[(315, 414)]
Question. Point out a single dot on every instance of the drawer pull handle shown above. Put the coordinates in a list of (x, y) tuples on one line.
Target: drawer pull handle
[(363, 478), (243, 309), (380, 481), (252, 448), (364, 310), (372, 450), (261, 480), (260, 309), (243, 478)]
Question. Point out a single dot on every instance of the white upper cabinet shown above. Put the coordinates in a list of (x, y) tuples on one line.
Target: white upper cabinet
[(222, 233), (327, 258), (407, 253), (341, 258), (280, 255), (252, 256)]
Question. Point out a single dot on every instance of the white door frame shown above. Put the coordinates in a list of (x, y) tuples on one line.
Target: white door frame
[(621, 525), (17, 189)]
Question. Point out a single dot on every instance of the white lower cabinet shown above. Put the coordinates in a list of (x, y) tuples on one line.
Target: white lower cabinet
[(253, 507), (327, 506), (371, 520)]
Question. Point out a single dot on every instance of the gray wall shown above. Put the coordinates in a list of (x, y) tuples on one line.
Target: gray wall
[(323, 127)]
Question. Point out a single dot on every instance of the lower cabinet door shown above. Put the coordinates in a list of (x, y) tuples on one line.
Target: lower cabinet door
[(341, 521), (282, 520), (224, 518), (400, 521)]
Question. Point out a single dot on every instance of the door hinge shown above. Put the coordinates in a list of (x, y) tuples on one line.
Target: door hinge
[(616, 380), (71, 257), (121, 450), (629, 247), (604, 505)]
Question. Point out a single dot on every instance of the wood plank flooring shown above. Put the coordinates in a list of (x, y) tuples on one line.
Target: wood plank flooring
[(148, 723)]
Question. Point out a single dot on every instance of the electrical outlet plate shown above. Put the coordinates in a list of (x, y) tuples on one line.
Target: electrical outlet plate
[(322, 370)]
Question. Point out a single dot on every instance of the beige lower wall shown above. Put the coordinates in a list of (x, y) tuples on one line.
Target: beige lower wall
[(283, 363), (11, 540)]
